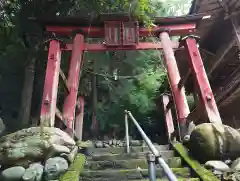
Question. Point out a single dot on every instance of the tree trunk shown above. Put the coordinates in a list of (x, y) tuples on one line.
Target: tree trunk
[(26, 102)]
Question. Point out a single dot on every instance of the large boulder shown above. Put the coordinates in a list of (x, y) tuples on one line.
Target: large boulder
[(214, 142), (33, 144)]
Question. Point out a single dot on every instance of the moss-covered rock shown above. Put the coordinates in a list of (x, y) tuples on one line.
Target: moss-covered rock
[(208, 143), (32, 145), (75, 169)]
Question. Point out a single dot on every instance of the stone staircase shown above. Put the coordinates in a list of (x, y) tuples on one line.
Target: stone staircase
[(114, 164)]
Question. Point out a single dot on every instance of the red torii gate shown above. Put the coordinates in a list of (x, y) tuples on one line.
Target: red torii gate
[(121, 33)]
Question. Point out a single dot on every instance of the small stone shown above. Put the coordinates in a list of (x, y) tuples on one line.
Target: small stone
[(114, 142), (33, 173), (121, 144), (217, 165), (13, 174), (105, 145), (191, 127), (60, 148), (70, 156), (228, 162), (236, 164), (135, 143), (118, 142), (186, 139), (85, 144), (54, 167), (56, 150), (99, 144), (110, 142), (217, 173)]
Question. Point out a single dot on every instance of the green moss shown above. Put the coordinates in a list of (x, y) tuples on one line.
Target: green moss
[(166, 179), (134, 173), (203, 173), (75, 169), (84, 144), (125, 164)]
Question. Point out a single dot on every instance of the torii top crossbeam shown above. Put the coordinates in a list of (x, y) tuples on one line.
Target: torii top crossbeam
[(121, 32), (94, 27)]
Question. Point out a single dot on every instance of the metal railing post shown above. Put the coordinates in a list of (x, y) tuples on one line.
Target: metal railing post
[(127, 133), (170, 175), (151, 167), (144, 136)]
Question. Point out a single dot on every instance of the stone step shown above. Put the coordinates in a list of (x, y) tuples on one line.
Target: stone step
[(166, 179), (103, 157), (116, 150), (130, 174), (174, 162), (162, 179)]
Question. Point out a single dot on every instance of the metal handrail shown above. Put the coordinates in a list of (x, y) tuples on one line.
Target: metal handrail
[(150, 145)]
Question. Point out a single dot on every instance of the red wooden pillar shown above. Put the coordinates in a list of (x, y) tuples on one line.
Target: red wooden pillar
[(174, 78), (168, 115), (201, 78), (73, 81), (79, 118), (48, 108)]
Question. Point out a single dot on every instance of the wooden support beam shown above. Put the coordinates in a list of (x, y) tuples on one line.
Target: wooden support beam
[(229, 89), (207, 52), (64, 79), (225, 48), (221, 53), (233, 96), (170, 104), (234, 23), (59, 115), (79, 118), (222, 97), (168, 115), (232, 15), (183, 80)]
